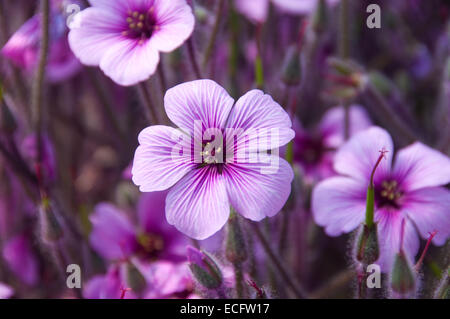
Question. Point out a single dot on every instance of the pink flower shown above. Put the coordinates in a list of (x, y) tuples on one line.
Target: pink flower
[(5, 291), (24, 45), (408, 189), (314, 151), (257, 10), (206, 181), (124, 37)]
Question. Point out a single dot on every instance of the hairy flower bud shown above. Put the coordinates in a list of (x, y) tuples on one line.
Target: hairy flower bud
[(236, 250), (402, 277), (367, 251), (291, 69), (134, 278), (320, 17), (204, 268)]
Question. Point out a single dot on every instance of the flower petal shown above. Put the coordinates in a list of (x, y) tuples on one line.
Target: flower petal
[(429, 208), (358, 156), (255, 10), (339, 204), (332, 124), (264, 123), (113, 235), (94, 31), (257, 191), (162, 158), (176, 23), (419, 166), (198, 205), (389, 234), (201, 100)]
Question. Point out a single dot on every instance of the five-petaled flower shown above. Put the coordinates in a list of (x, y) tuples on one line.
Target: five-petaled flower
[(255, 183), (409, 189), (124, 37)]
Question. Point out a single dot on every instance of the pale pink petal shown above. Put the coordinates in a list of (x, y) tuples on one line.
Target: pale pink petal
[(113, 235), (198, 205), (128, 62), (201, 101), (259, 190), (94, 32), (299, 6), (5, 291), (254, 10), (161, 159), (429, 209), (259, 122), (389, 234), (419, 166), (339, 204), (332, 124), (175, 23), (358, 156)]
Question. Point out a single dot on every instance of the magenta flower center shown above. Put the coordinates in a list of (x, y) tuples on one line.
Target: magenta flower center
[(310, 149), (141, 25), (152, 244), (388, 194)]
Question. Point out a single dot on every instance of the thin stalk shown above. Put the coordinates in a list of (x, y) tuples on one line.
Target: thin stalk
[(239, 279), (146, 100), (288, 278), (215, 31), (192, 57)]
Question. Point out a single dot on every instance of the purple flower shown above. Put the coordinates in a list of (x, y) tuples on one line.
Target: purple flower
[(257, 10), (24, 46), (5, 291), (314, 151), (408, 189), (217, 157), (21, 260), (115, 237), (124, 37), (30, 147)]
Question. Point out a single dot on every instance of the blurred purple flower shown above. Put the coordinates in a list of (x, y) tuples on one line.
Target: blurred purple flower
[(5, 291), (29, 149), (115, 237), (24, 45), (257, 10), (201, 193), (21, 260), (314, 151), (124, 37), (407, 190)]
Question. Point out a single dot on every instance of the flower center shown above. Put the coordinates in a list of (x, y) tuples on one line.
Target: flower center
[(140, 25), (310, 149), (152, 244), (388, 194)]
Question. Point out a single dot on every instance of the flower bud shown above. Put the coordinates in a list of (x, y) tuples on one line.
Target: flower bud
[(443, 291), (320, 17), (291, 69), (204, 268), (8, 123), (402, 276), (134, 278), (236, 250), (51, 230), (368, 251)]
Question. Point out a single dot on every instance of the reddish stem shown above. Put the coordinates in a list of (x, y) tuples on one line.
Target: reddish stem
[(422, 257), (382, 155)]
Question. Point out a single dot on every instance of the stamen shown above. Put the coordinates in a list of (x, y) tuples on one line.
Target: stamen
[(383, 152), (422, 257)]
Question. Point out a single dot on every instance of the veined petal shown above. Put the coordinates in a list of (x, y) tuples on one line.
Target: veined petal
[(113, 236), (198, 205), (162, 158), (202, 101), (129, 62), (94, 32), (260, 123), (429, 209), (175, 23), (259, 190), (358, 156), (419, 166), (389, 234), (339, 204)]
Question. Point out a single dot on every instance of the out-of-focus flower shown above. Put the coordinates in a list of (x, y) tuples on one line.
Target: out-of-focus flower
[(29, 149), (227, 166), (124, 37), (24, 45), (314, 151), (408, 189), (257, 10), (5, 291), (115, 237), (21, 260)]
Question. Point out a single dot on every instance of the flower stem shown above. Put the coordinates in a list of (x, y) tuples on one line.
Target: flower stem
[(422, 257), (192, 57), (259, 70), (239, 279), (212, 39), (288, 278), (146, 100)]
